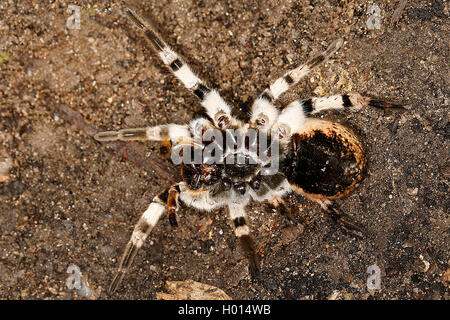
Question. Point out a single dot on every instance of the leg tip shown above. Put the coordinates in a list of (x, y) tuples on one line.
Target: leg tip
[(115, 283), (173, 220), (388, 105), (336, 44), (134, 17), (106, 136), (254, 271)]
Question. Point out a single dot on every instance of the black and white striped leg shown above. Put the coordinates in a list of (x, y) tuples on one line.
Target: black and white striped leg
[(216, 108), (158, 133), (264, 111), (141, 231), (295, 114), (292, 77), (350, 101), (242, 231)]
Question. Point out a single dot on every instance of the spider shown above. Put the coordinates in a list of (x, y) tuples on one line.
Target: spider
[(287, 152)]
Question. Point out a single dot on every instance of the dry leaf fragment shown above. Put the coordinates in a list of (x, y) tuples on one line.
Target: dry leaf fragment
[(191, 290)]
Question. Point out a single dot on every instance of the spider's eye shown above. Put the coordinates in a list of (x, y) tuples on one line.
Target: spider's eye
[(262, 120), (255, 184), (226, 182), (283, 131), (239, 187), (222, 120)]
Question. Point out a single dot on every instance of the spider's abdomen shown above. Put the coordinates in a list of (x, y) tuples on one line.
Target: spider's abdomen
[(325, 160)]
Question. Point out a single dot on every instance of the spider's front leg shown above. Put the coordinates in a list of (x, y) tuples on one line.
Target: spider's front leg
[(242, 231), (216, 108), (292, 77), (264, 112), (294, 116), (146, 223), (158, 133)]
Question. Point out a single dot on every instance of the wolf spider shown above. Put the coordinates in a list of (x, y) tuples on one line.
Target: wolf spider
[(319, 159)]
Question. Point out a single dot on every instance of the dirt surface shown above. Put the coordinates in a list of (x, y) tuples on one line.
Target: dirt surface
[(69, 200)]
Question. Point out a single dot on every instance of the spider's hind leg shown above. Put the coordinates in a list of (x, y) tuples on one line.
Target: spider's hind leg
[(141, 231), (343, 220), (143, 228), (242, 231), (282, 208)]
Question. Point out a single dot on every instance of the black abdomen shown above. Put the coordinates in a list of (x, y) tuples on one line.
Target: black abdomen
[(325, 160)]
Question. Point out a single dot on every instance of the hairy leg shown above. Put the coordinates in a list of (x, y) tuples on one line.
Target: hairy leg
[(341, 218), (242, 231), (292, 77), (264, 112), (295, 114), (158, 133), (216, 108), (141, 231)]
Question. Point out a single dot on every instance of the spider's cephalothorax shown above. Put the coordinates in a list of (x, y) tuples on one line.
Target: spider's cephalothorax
[(226, 162)]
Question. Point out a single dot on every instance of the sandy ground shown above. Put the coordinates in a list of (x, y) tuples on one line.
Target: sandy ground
[(69, 200)]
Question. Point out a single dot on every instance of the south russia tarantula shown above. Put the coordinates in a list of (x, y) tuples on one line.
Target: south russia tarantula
[(226, 162)]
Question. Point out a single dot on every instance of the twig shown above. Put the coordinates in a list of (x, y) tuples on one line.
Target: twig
[(150, 162)]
